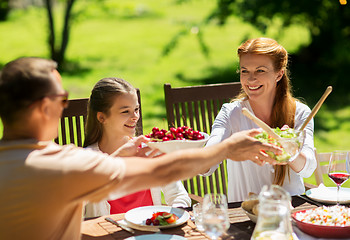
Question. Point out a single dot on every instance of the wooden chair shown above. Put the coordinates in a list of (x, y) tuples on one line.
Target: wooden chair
[(197, 107), (72, 123), (322, 166)]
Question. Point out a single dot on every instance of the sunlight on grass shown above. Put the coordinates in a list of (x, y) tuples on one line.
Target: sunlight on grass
[(125, 39), (116, 40), (335, 136)]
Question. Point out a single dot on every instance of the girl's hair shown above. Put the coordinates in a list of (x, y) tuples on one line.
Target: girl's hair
[(283, 110), (101, 100)]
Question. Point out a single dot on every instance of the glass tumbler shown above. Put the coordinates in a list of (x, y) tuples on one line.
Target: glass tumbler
[(197, 213)]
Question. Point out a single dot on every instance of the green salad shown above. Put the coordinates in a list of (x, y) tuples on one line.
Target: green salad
[(289, 134)]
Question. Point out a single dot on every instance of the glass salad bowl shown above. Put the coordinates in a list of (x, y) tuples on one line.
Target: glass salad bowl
[(291, 141)]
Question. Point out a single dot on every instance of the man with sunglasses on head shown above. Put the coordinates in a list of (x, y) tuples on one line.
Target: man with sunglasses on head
[(43, 185)]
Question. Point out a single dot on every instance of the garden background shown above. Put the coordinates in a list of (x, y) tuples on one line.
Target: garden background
[(190, 42)]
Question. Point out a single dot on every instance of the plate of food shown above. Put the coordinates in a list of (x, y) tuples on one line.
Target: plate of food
[(156, 216), (156, 237), (324, 222), (176, 138), (328, 195)]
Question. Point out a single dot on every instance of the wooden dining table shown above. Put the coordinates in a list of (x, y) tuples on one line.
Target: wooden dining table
[(241, 227)]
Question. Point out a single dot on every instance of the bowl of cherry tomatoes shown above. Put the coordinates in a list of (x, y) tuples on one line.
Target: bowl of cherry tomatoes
[(176, 139)]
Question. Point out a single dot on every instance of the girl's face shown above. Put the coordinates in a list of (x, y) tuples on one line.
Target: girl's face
[(258, 77), (123, 116)]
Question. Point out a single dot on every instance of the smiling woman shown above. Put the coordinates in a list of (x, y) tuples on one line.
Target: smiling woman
[(259, 78), (267, 94)]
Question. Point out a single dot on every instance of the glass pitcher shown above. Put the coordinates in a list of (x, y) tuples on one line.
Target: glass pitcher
[(274, 215)]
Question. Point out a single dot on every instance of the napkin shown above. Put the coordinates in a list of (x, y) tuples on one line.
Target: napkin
[(321, 192), (329, 194)]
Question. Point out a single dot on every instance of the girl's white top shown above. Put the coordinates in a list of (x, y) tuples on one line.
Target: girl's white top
[(175, 195)]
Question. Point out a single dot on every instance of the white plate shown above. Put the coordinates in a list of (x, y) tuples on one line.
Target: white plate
[(156, 237), (329, 195), (138, 216)]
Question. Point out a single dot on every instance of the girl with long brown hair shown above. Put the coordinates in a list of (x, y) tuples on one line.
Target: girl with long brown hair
[(266, 92), (113, 112)]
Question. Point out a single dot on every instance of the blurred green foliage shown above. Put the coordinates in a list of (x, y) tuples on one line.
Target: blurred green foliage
[(316, 65), (321, 61), (127, 38), (4, 9)]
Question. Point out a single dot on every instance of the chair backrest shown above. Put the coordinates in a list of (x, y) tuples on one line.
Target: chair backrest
[(72, 123), (197, 107), (139, 127), (322, 165)]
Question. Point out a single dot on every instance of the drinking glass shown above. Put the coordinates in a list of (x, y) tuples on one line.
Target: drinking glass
[(215, 217), (198, 216), (338, 169)]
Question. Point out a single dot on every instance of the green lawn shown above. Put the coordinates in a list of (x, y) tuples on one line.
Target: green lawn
[(127, 42), (125, 38)]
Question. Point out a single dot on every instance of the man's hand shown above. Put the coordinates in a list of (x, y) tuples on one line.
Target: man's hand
[(133, 148), (243, 146)]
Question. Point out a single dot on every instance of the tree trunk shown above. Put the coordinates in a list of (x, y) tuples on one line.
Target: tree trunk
[(65, 32), (4, 9), (51, 38), (57, 52)]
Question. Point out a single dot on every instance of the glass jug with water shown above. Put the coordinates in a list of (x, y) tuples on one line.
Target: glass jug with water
[(274, 215)]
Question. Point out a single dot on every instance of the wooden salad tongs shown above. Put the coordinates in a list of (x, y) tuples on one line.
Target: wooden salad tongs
[(260, 123), (316, 107), (289, 146)]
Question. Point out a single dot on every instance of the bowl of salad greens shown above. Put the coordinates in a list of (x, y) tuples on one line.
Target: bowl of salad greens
[(292, 138)]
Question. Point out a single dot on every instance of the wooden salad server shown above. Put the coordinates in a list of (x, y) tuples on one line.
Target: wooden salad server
[(289, 146), (317, 107)]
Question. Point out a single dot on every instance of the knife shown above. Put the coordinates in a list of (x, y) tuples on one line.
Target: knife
[(141, 228), (130, 230), (306, 198)]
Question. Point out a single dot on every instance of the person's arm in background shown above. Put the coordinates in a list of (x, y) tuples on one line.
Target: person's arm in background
[(175, 195)]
